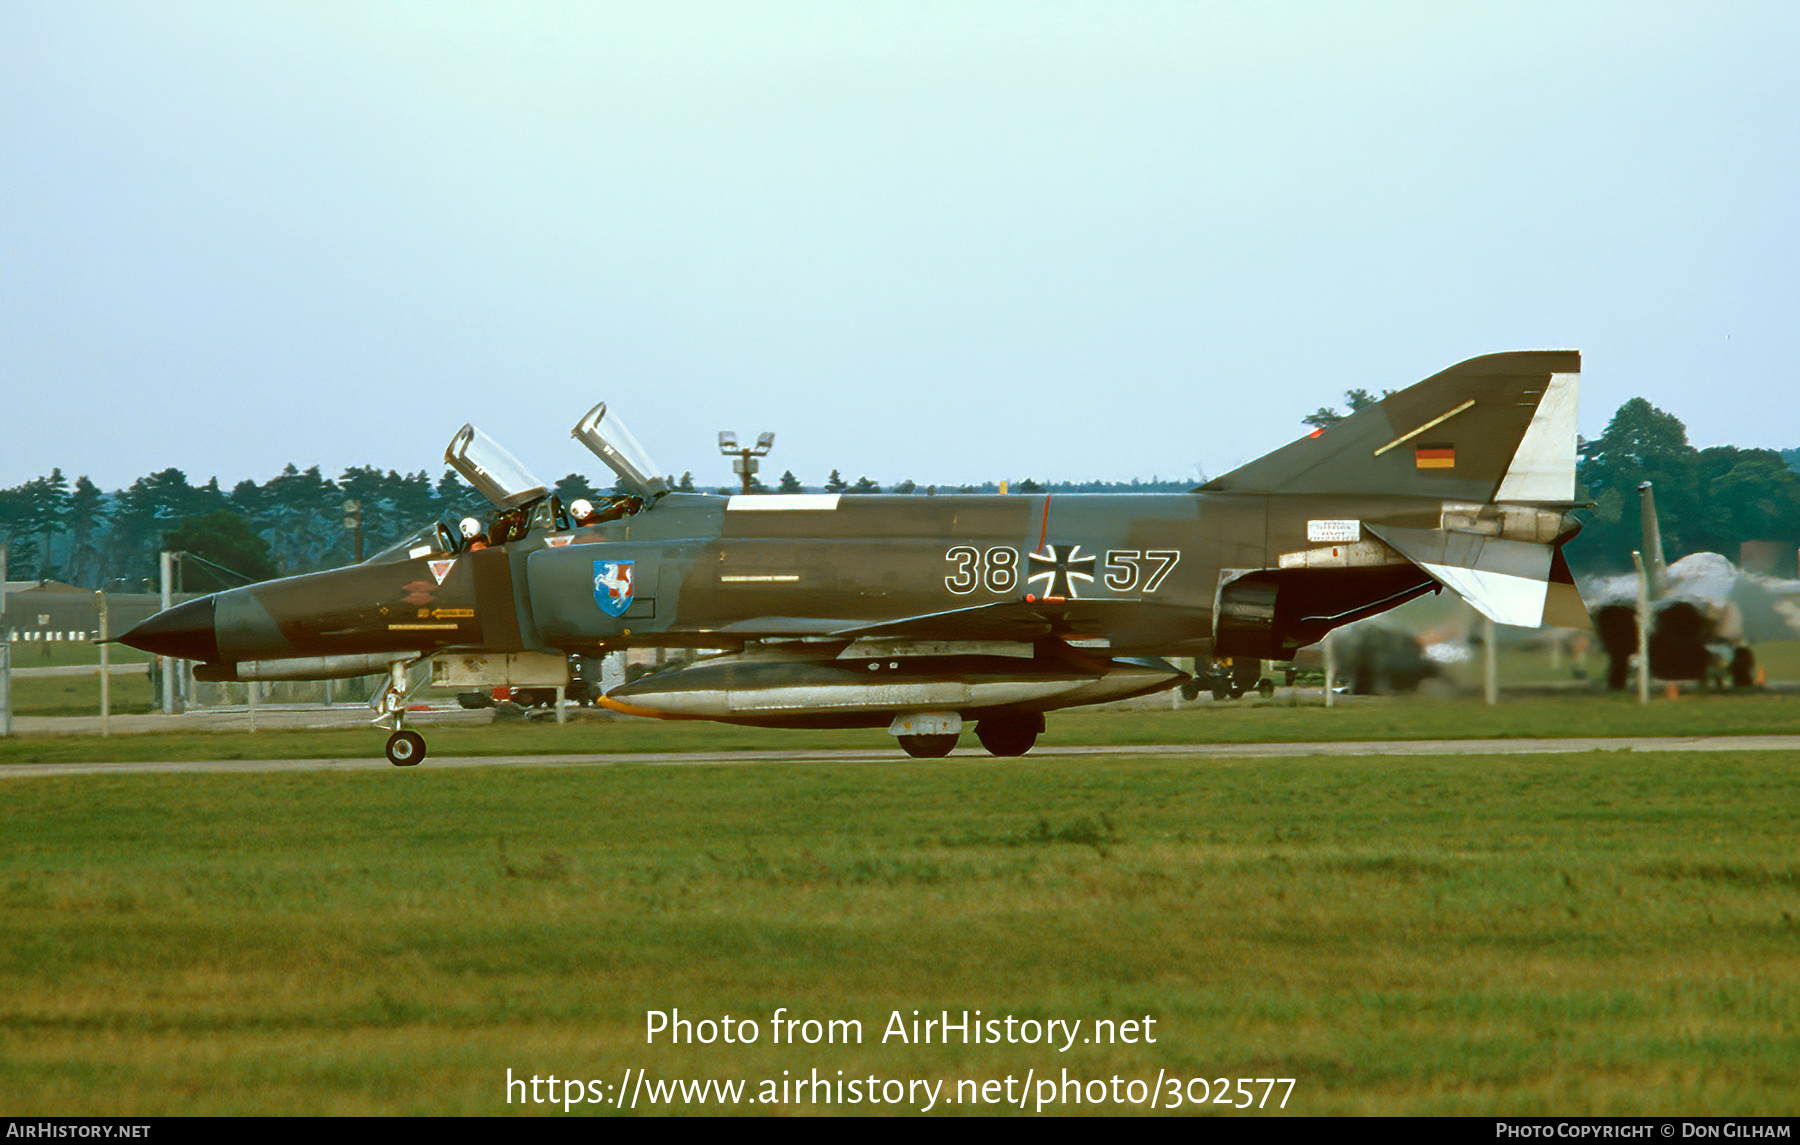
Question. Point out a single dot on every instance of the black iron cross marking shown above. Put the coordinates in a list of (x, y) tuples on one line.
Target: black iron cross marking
[(1059, 566)]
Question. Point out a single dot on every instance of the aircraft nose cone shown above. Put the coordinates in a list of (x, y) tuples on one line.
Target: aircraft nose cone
[(184, 632)]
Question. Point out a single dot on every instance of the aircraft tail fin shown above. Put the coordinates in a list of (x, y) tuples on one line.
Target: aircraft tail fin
[(1495, 428), (1654, 565), (1492, 441)]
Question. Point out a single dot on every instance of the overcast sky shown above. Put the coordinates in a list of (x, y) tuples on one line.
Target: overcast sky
[(952, 242)]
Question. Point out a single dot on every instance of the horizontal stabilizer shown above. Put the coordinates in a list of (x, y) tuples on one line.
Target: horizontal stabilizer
[(1510, 582), (1501, 597), (1563, 607)]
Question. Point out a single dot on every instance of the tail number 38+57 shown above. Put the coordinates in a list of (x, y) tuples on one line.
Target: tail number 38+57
[(997, 569)]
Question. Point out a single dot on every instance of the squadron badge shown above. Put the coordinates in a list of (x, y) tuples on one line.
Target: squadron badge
[(612, 586)]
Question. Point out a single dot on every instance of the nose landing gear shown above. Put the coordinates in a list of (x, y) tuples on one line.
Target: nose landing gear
[(405, 748)]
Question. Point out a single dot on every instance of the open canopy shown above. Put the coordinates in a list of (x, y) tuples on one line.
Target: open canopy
[(497, 474), (612, 443)]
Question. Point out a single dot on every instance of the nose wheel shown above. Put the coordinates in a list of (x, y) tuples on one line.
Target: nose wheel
[(405, 748)]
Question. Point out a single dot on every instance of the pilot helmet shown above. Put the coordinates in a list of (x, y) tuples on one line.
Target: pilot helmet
[(581, 509), (470, 527)]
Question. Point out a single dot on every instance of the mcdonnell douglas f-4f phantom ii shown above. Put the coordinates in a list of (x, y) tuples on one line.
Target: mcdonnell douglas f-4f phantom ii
[(923, 613)]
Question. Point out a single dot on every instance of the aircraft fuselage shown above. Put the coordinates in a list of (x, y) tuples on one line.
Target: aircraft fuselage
[(712, 572)]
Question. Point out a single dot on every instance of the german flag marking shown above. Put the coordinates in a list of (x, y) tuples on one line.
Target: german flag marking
[(1440, 455)]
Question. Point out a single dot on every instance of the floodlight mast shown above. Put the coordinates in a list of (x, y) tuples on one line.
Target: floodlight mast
[(746, 464)]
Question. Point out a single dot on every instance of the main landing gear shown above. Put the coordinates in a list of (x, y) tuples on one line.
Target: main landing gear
[(1009, 735), (933, 735), (1230, 679), (405, 748), (928, 746)]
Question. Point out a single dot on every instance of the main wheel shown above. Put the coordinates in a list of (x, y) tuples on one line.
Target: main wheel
[(927, 746), (405, 749), (1008, 737), (1743, 668)]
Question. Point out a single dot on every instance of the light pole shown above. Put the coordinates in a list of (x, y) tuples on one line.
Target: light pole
[(166, 562), (746, 464), (353, 522)]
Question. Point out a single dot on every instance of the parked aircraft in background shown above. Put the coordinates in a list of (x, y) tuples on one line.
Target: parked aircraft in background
[(922, 614), (1704, 614)]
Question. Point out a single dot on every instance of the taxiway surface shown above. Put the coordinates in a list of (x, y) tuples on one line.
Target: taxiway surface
[(1197, 751)]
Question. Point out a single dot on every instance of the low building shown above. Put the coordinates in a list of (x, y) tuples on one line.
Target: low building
[(52, 611)]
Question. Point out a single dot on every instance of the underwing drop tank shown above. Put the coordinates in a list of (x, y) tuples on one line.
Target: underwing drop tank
[(866, 683)]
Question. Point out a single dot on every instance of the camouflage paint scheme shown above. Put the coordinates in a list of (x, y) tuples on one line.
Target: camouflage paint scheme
[(1456, 481)]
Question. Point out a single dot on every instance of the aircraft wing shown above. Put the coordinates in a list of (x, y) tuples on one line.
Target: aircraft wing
[(1013, 621), (1107, 623), (1009, 620), (1118, 622), (797, 627)]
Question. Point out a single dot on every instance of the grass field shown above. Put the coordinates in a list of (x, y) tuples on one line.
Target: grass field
[(1592, 933), (65, 653)]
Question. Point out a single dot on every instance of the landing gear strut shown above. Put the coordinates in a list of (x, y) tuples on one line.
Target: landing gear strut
[(404, 748)]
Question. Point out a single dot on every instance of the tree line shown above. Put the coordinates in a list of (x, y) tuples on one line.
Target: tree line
[(1711, 499), (294, 522), (1707, 500)]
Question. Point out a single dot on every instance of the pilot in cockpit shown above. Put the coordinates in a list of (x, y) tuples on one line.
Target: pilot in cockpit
[(474, 540), (583, 512)]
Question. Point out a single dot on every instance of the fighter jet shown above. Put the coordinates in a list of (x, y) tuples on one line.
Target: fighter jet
[(923, 614), (1704, 613)]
